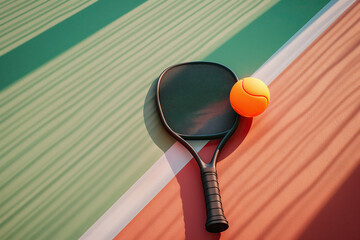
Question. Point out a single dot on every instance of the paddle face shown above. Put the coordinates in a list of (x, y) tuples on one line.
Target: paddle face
[(194, 100)]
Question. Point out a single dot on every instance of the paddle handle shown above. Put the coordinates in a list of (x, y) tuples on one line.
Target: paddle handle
[(216, 221)]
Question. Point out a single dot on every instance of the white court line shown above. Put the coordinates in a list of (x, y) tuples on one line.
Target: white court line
[(141, 193), (155, 179)]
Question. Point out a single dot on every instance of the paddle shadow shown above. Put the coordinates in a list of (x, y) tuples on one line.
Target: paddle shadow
[(152, 121), (191, 190)]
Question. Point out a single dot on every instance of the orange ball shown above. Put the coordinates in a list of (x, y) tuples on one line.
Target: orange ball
[(249, 97)]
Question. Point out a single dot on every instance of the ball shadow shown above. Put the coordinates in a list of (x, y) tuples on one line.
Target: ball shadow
[(237, 138)]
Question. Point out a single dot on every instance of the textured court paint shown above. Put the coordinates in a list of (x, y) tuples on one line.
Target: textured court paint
[(37, 51), (48, 187), (305, 36), (155, 179), (71, 145), (23, 20), (109, 223), (286, 169), (73, 136), (262, 38)]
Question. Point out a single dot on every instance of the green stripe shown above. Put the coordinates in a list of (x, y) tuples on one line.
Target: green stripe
[(22, 27), (78, 131), (49, 44)]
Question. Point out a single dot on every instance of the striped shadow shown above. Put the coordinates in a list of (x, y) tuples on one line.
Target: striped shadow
[(112, 221), (73, 139), (21, 21), (175, 159)]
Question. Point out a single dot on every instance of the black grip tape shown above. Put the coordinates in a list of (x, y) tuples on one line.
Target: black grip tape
[(216, 221)]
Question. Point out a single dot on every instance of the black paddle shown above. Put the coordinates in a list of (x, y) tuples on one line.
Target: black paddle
[(193, 102)]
